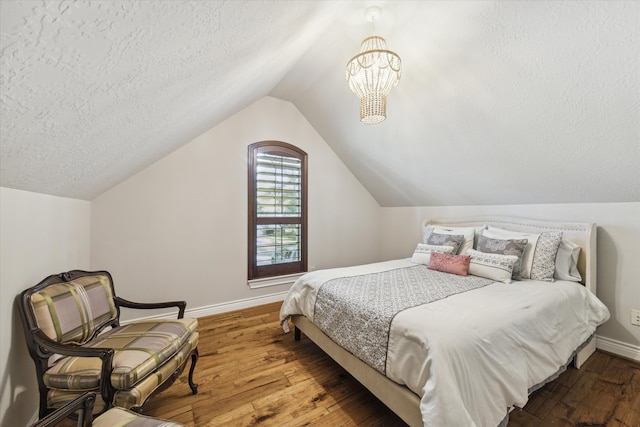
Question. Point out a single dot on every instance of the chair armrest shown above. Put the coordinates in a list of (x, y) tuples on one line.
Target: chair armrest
[(181, 305), (47, 347), (83, 402), (51, 346)]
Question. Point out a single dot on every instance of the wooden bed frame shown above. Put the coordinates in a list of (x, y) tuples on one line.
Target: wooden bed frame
[(399, 398)]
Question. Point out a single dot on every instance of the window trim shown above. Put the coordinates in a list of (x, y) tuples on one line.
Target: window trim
[(258, 272)]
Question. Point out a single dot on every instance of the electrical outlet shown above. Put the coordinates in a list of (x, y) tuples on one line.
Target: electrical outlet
[(635, 317)]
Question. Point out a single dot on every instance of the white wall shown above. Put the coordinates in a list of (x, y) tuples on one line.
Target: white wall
[(178, 229), (618, 237), (39, 235)]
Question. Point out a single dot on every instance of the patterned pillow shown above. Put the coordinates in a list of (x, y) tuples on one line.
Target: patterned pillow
[(423, 252), (454, 264), (544, 258), (527, 256), (504, 247), (454, 240), (468, 232), (491, 266)]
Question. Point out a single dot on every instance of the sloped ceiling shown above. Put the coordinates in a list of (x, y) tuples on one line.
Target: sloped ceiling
[(499, 102)]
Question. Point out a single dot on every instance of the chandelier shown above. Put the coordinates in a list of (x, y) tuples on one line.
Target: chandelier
[(372, 74)]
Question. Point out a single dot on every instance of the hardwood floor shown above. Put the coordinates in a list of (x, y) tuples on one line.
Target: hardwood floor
[(251, 373)]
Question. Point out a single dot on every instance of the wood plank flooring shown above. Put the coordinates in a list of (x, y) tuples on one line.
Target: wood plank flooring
[(251, 373)]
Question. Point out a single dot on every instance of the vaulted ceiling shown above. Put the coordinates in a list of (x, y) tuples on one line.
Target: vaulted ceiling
[(499, 102)]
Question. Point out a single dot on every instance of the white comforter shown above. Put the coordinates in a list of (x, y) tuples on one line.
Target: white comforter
[(473, 355)]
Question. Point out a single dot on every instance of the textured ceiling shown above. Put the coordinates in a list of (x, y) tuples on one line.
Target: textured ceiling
[(499, 102), (94, 91)]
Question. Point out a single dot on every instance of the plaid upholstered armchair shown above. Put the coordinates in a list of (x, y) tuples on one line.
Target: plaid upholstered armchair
[(73, 332)]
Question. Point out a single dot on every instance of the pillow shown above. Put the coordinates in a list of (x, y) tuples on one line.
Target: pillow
[(544, 258), (538, 260), (454, 240), (423, 252), (467, 232), (567, 261), (504, 247), (527, 256), (454, 264), (491, 266)]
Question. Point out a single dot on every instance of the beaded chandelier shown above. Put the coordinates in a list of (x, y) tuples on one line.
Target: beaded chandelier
[(372, 74)]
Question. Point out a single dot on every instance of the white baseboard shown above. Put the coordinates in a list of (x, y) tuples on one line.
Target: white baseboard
[(217, 308), (235, 305), (618, 347)]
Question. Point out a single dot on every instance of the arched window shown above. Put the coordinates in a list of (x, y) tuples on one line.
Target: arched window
[(277, 209)]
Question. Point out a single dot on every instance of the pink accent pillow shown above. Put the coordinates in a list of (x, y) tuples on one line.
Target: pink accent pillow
[(447, 263)]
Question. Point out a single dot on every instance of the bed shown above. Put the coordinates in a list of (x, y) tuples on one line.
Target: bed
[(470, 348)]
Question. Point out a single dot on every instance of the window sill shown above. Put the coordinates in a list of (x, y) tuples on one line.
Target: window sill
[(274, 281)]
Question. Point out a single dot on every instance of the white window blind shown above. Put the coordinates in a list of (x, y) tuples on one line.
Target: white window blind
[(278, 195), (278, 186)]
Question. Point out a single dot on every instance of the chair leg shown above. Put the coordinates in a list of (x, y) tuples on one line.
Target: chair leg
[(44, 408), (194, 359)]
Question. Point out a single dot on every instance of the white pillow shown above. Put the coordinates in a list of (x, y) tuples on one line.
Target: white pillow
[(567, 261), (422, 254), (467, 232), (492, 266), (527, 255)]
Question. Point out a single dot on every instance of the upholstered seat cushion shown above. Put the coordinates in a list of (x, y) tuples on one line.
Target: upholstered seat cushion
[(135, 396), (139, 349), (122, 417)]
